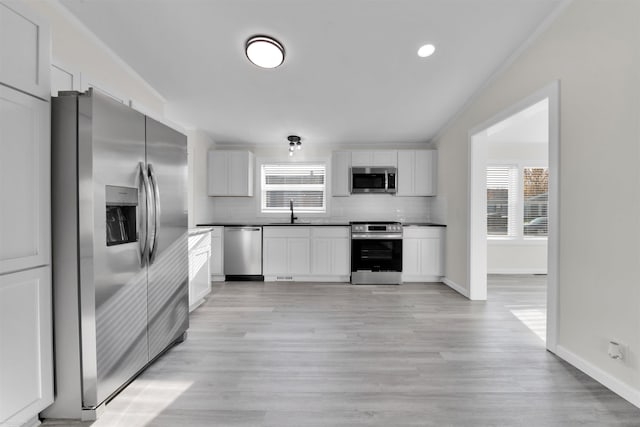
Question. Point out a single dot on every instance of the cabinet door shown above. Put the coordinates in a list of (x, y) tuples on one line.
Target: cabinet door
[(217, 252), (24, 49), (425, 173), (298, 251), (361, 158), (431, 257), (25, 181), (321, 256), (341, 257), (275, 256), (26, 353), (340, 173), (384, 158), (237, 180), (411, 257), (406, 173), (217, 173)]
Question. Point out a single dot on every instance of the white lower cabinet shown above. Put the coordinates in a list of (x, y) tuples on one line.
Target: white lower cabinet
[(26, 359), (422, 254), (217, 254), (331, 253), (285, 252), (300, 253), (199, 266)]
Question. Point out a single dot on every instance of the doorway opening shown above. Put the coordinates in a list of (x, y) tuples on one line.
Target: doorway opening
[(513, 201)]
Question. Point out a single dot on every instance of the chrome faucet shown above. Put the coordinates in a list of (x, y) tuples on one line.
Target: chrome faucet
[(293, 218)]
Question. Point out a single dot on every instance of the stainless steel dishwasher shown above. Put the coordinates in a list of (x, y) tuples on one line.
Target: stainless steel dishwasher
[(243, 253)]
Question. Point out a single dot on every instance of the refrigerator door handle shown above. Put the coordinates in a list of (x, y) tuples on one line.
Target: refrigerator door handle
[(156, 213), (144, 239)]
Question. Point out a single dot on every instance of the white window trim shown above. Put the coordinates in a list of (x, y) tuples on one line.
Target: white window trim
[(279, 216), (519, 238)]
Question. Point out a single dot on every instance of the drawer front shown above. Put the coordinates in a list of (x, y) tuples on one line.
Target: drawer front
[(330, 232), (422, 232), (295, 231)]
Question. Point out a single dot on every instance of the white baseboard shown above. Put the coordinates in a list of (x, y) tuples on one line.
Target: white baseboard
[(420, 278), (456, 287), (615, 385), (314, 278), (217, 278), (517, 271)]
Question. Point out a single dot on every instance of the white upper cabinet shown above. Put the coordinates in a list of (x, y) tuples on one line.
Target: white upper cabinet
[(24, 49), (374, 158), (231, 173), (417, 172), (340, 164), (25, 211)]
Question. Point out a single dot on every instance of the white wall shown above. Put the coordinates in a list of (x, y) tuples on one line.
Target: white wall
[(340, 209), (592, 48), (517, 256)]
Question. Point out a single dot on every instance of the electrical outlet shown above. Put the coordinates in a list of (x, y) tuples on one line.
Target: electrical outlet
[(616, 350)]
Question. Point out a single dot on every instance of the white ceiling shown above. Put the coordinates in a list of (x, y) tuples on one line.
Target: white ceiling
[(351, 72)]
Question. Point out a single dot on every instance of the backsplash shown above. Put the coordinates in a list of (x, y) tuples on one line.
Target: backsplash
[(374, 207)]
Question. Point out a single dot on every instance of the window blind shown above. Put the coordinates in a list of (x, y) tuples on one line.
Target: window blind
[(502, 190), (304, 184)]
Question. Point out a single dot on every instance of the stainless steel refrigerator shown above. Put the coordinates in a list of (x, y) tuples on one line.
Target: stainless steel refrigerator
[(120, 264)]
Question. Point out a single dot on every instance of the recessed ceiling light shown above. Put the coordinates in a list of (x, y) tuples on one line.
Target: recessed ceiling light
[(426, 50), (264, 51)]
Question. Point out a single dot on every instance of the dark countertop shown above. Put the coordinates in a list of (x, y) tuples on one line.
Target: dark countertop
[(276, 224), (319, 224)]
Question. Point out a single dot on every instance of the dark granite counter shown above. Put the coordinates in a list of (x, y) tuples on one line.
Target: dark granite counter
[(276, 224), (306, 224)]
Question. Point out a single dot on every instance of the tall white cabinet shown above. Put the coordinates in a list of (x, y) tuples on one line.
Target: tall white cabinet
[(26, 360)]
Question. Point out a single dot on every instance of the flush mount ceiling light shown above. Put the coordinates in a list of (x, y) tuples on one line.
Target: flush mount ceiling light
[(426, 50), (294, 142), (264, 51)]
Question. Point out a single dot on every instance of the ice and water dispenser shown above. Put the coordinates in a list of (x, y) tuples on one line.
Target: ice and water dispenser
[(122, 203)]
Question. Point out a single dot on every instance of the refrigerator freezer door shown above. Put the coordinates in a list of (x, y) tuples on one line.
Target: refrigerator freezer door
[(113, 279), (168, 304)]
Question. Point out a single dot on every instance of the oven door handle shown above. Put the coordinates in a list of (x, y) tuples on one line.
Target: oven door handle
[(376, 237)]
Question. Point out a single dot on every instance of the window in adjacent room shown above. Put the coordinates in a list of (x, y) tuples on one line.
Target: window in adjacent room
[(305, 184), (536, 201), (517, 201), (501, 200)]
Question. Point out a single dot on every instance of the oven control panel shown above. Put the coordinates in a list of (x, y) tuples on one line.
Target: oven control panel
[(379, 228), (390, 230)]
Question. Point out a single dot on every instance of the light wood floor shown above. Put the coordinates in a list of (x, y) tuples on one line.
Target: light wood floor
[(302, 354)]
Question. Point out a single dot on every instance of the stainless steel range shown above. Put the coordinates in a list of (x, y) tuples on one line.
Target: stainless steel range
[(376, 252)]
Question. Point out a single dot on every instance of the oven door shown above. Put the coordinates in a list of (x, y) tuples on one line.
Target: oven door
[(376, 255)]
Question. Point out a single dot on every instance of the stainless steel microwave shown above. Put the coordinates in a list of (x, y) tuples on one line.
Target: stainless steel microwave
[(373, 180)]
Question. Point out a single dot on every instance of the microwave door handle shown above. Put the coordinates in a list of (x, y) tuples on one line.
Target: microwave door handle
[(386, 181), (146, 217), (153, 249)]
